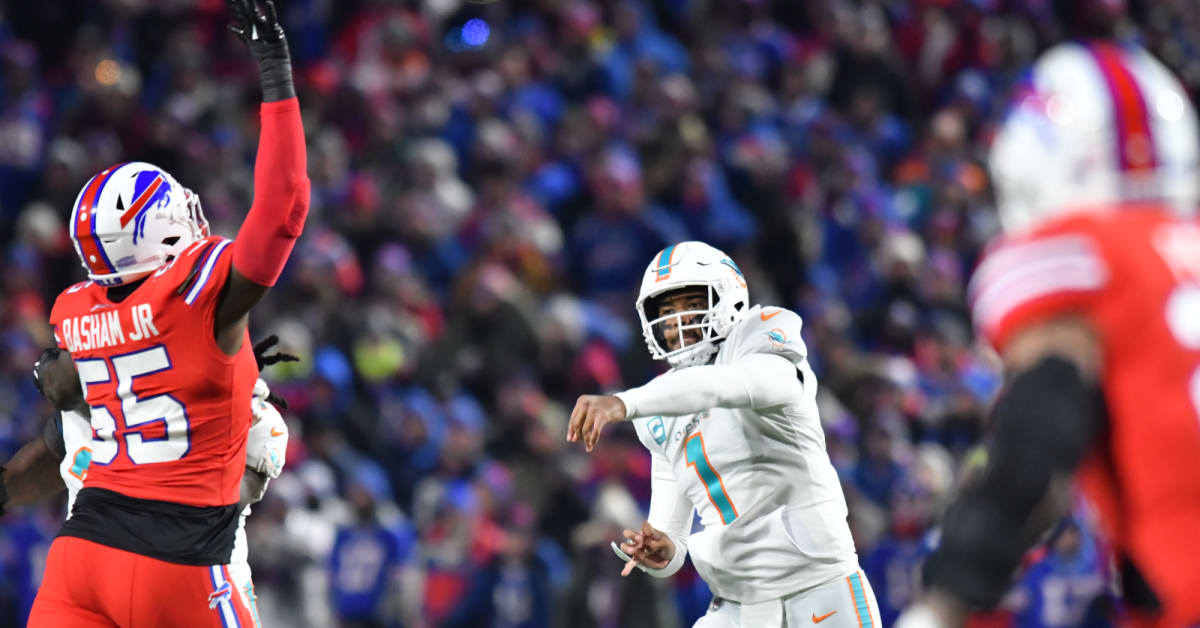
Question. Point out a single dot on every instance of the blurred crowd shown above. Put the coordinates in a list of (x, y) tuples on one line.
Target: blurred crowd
[(489, 181)]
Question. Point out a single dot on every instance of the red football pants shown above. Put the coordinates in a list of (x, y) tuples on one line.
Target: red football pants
[(91, 585)]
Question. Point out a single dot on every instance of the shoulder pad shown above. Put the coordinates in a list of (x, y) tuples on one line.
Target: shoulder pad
[(768, 330)]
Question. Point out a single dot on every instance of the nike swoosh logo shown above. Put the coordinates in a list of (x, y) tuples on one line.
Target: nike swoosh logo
[(766, 316), (275, 433), (817, 620)]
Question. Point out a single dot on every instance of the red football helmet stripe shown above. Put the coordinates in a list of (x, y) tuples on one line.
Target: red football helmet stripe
[(1135, 138), (141, 201), (83, 220)]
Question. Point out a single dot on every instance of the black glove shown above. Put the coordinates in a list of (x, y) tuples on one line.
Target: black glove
[(263, 34), (264, 360)]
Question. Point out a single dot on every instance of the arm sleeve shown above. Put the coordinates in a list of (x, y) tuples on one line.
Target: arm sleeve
[(758, 380), (1035, 278), (670, 512), (281, 194), (1044, 425)]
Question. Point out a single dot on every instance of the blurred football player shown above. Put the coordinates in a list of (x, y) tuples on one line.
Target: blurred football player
[(734, 435), (62, 456), (1092, 297), (159, 338)]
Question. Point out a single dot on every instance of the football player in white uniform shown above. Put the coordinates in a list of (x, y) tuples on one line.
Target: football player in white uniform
[(734, 435), (69, 437)]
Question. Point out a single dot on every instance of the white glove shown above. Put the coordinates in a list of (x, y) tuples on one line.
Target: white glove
[(261, 392), (266, 444)]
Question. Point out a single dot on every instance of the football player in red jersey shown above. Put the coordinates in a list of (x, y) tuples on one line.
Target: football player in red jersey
[(159, 337), (34, 473), (60, 457), (1092, 297)]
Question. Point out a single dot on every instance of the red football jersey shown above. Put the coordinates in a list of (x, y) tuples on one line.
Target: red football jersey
[(1135, 275), (170, 411)]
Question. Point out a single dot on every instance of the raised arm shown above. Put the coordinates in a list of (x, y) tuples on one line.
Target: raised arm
[(281, 187), (758, 380)]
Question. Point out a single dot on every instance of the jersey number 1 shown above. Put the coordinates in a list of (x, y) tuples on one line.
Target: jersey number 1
[(713, 485), (138, 412)]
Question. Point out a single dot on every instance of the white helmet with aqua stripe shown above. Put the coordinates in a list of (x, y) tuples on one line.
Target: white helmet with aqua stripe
[(692, 296)]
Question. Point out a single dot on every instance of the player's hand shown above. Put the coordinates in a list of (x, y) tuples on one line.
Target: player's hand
[(591, 414), (261, 31), (253, 26), (648, 547), (264, 360)]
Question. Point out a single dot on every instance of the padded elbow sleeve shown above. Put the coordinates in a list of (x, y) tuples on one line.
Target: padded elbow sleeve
[(1044, 425), (281, 196)]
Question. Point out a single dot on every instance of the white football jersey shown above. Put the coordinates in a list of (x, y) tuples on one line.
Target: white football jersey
[(266, 445), (769, 500), (77, 442)]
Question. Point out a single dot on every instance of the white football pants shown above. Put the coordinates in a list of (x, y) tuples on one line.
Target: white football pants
[(845, 602)]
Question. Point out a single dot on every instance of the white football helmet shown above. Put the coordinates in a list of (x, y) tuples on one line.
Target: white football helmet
[(132, 218), (1097, 125), (691, 265)]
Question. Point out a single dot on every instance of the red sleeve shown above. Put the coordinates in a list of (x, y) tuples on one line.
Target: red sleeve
[(281, 192), (1035, 278)]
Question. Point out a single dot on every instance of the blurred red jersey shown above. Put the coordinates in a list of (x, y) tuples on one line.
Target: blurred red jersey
[(1135, 275), (170, 410)]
